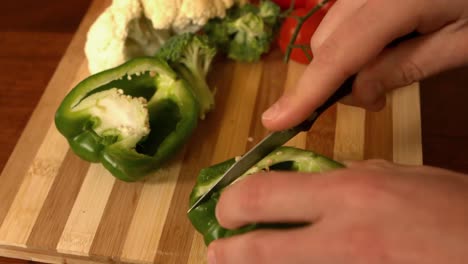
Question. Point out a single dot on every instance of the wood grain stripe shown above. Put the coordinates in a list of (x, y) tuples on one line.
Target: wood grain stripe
[(237, 118), (30, 141), (53, 141), (176, 238), (379, 133), (271, 87), (236, 122), (41, 257), (407, 134), (87, 211), (198, 246), (31, 195), (146, 228), (58, 204), (226, 120), (15, 171), (198, 250), (31, 138), (177, 233), (350, 133), (321, 137), (112, 232)]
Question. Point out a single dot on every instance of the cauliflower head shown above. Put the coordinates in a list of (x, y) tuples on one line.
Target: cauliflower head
[(185, 15), (133, 28), (120, 33)]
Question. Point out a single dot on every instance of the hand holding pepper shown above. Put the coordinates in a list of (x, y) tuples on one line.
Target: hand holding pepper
[(371, 212)]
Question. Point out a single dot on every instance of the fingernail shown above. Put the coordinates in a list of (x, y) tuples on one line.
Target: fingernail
[(275, 110), (211, 256), (272, 112)]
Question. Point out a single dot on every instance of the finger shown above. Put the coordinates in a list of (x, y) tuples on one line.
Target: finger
[(265, 246), (340, 12), (410, 62), (358, 40), (272, 197)]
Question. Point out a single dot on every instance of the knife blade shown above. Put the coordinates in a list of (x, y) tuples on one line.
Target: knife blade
[(273, 141)]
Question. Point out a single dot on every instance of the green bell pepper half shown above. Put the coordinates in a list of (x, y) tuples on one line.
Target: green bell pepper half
[(172, 109), (283, 158)]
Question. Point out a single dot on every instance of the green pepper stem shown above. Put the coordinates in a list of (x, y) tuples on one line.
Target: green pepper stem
[(300, 23)]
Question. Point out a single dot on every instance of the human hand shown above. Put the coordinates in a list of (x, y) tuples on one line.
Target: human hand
[(352, 39), (370, 212)]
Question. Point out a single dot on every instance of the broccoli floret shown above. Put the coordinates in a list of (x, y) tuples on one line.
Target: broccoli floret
[(250, 38), (246, 32), (218, 34), (270, 12), (190, 55)]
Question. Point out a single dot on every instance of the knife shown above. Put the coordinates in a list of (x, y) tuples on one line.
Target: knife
[(273, 141), (276, 139)]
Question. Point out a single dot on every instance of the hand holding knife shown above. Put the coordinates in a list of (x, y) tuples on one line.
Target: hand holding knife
[(273, 141), (278, 138)]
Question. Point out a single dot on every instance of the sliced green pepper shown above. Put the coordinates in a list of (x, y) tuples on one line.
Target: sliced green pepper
[(203, 216), (130, 118)]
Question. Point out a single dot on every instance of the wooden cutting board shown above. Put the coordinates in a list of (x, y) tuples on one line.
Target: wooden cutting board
[(57, 208)]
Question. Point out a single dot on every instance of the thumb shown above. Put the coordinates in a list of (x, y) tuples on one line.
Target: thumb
[(410, 62)]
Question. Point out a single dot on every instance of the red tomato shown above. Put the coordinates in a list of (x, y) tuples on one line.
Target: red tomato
[(304, 36), (312, 3), (285, 4)]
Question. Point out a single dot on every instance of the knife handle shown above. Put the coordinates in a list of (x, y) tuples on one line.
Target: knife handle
[(345, 89)]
